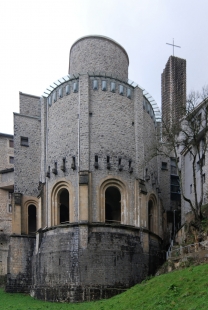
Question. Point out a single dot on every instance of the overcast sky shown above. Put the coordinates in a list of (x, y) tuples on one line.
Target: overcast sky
[(36, 37)]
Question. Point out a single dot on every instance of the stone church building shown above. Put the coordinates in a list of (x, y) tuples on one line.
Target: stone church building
[(87, 219)]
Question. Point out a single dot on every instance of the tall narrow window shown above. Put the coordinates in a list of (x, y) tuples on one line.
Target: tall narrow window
[(112, 205), (96, 162), (64, 206), (108, 162), (32, 221), (11, 143), (11, 159), (150, 215), (203, 178)]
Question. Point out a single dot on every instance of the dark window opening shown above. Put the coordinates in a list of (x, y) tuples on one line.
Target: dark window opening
[(73, 165), (63, 166), (96, 162), (203, 178), (108, 162), (24, 141), (11, 143), (112, 205), (164, 166), (120, 167), (32, 221), (10, 208), (11, 159), (150, 215), (64, 206), (173, 166)]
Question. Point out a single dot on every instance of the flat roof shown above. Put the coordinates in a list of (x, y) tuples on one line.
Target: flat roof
[(6, 135)]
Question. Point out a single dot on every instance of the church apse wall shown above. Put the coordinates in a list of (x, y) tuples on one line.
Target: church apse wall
[(89, 184)]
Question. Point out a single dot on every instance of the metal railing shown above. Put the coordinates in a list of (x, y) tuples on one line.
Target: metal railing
[(190, 248)]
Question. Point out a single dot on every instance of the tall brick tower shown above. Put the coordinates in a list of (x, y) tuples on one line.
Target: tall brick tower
[(173, 91)]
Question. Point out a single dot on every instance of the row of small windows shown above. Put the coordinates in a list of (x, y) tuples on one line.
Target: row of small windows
[(148, 108), (59, 94), (74, 88), (24, 141), (104, 86)]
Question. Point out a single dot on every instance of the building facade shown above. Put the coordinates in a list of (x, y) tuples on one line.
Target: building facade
[(173, 91), (193, 160), (87, 218), (6, 197)]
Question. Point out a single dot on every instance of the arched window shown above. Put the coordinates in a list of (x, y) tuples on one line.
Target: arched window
[(32, 220), (112, 204), (150, 215), (62, 203), (63, 197)]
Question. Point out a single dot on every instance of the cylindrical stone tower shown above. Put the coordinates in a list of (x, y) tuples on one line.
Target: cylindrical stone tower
[(98, 54)]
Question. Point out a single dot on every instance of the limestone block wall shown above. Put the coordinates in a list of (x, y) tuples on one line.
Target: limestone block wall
[(19, 276), (103, 123), (6, 189), (111, 133), (98, 54), (29, 104), (27, 157), (78, 263), (62, 142)]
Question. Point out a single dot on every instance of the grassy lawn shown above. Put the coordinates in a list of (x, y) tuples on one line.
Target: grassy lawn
[(180, 290)]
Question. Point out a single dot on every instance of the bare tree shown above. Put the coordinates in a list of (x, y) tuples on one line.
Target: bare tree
[(189, 135)]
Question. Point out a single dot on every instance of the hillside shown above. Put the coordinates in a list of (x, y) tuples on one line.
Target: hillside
[(179, 290)]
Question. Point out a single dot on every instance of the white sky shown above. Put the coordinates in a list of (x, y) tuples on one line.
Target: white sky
[(36, 36)]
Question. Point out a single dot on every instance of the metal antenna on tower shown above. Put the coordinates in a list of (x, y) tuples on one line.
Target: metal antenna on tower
[(173, 45)]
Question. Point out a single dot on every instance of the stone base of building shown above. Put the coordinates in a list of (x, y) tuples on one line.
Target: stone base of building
[(19, 276), (81, 262), (75, 293)]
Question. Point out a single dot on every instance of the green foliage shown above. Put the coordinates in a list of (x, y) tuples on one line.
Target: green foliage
[(186, 289)]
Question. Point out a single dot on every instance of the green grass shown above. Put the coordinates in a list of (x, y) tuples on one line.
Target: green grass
[(186, 289)]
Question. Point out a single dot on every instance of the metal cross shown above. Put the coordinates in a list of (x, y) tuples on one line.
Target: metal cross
[(173, 46)]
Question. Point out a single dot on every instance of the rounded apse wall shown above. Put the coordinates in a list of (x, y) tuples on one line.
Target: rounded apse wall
[(98, 54)]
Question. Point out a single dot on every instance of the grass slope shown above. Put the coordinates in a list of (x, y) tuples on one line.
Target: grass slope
[(186, 289)]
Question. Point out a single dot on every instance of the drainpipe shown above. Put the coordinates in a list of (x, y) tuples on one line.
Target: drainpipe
[(46, 157), (78, 170)]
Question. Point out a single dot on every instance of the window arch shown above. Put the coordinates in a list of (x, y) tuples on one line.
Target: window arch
[(31, 214), (113, 201), (152, 214), (62, 203)]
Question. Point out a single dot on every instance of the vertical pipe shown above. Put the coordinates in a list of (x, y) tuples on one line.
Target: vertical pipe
[(45, 163), (79, 88)]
